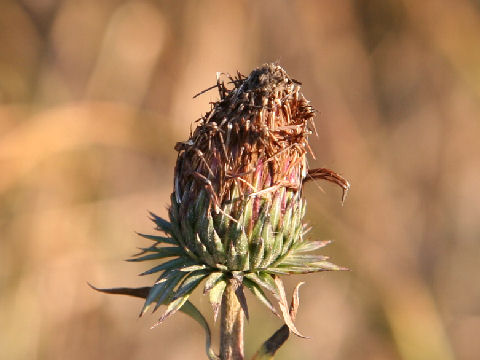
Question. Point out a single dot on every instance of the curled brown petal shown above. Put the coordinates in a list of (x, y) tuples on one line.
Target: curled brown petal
[(329, 175)]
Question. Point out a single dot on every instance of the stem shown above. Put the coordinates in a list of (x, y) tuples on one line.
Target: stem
[(231, 328)]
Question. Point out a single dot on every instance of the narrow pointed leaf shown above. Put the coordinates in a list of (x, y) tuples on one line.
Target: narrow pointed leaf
[(174, 208), (242, 299), (168, 292), (257, 229), (285, 310), (215, 245), (211, 280), (307, 246), (295, 303), (257, 250), (188, 236), (276, 210), (172, 308), (302, 260), (232, 256), (160, 290), (264, 280), (141, 292), (194, 268), (190, 283), (204, 254), (259, 294), (162, 224), (215, 296), (188, 308), (159, 239), (270, 347), (241, 246), (191, 310), (267, 235), (159, 253), (171, 264)]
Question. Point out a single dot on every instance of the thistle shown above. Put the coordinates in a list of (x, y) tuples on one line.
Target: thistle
[(236, 212)]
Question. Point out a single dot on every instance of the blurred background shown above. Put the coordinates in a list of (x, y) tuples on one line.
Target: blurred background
[(94, 95)]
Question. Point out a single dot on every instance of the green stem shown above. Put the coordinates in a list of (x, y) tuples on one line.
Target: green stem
[(231, 327)]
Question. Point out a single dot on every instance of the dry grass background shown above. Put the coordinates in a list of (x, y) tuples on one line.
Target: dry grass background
[(94, 95)]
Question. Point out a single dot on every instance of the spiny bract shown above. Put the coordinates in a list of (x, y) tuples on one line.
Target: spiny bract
[(237, 208)]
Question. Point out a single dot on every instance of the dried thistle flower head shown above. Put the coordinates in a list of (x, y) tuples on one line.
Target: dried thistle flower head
[(238, 179), (236, 212), (237, 208)]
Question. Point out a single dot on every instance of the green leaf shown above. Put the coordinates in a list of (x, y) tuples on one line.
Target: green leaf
[(259, 294), (162, 289), (222, 221), (162, 224), (232, 257), (307, 246), (219, 251), (297, 236), (257, 229), (276, 211), (257, 250), (311, 267), (211, 280), (325, 265), (241, 247), (246, 217), (213, 242), (167, 295), (215, 296), (290, 229), (159, 253), (277, 248), (201, 205), (172, 308), (287, 218), (280, 271), (174, 208), (190, 283), (231, 235), (188, 235), (203, 252), (176, 232), (159, 239), (269, 238), (264, 280), (211, 245), (174, 264), (191, 310), (187, 308), (302, 260), (238, 286), (194, 268), (270, 347)]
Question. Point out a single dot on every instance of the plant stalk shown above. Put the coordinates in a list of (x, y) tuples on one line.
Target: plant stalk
[(231, 327)]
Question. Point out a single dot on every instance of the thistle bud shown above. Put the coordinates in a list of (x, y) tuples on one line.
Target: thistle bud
[(237, 208)]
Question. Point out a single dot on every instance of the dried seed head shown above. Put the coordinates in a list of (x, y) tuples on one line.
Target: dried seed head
[(237, 209), (240, 174), (254, 141)]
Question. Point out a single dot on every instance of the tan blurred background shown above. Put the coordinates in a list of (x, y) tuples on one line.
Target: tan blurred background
[(94, 95)]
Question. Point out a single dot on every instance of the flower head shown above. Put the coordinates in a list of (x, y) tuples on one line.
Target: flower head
[(237, 209)]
